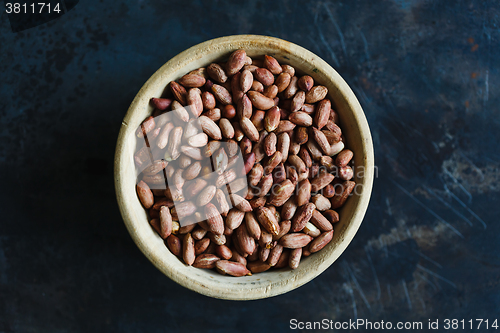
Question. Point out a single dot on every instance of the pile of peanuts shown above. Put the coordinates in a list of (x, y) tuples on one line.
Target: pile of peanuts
[(295, 172)]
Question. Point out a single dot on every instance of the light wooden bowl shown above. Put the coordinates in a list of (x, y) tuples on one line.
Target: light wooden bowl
[(270, 283)]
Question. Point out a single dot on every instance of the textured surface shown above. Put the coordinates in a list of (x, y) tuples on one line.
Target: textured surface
[(426, 74)]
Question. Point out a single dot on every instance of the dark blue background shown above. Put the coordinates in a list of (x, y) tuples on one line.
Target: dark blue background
[(427, 76)]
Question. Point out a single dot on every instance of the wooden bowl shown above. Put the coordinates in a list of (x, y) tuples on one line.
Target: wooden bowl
[(274, 282)]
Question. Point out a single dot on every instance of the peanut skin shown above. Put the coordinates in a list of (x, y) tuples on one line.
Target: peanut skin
[(254, 161)]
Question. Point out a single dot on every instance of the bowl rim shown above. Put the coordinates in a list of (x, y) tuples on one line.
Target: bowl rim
[(184, 58)]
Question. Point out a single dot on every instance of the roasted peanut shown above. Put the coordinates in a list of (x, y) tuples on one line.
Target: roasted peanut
[(272, 208)]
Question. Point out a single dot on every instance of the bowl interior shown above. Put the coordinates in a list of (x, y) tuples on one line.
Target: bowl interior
[(355, 130)]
